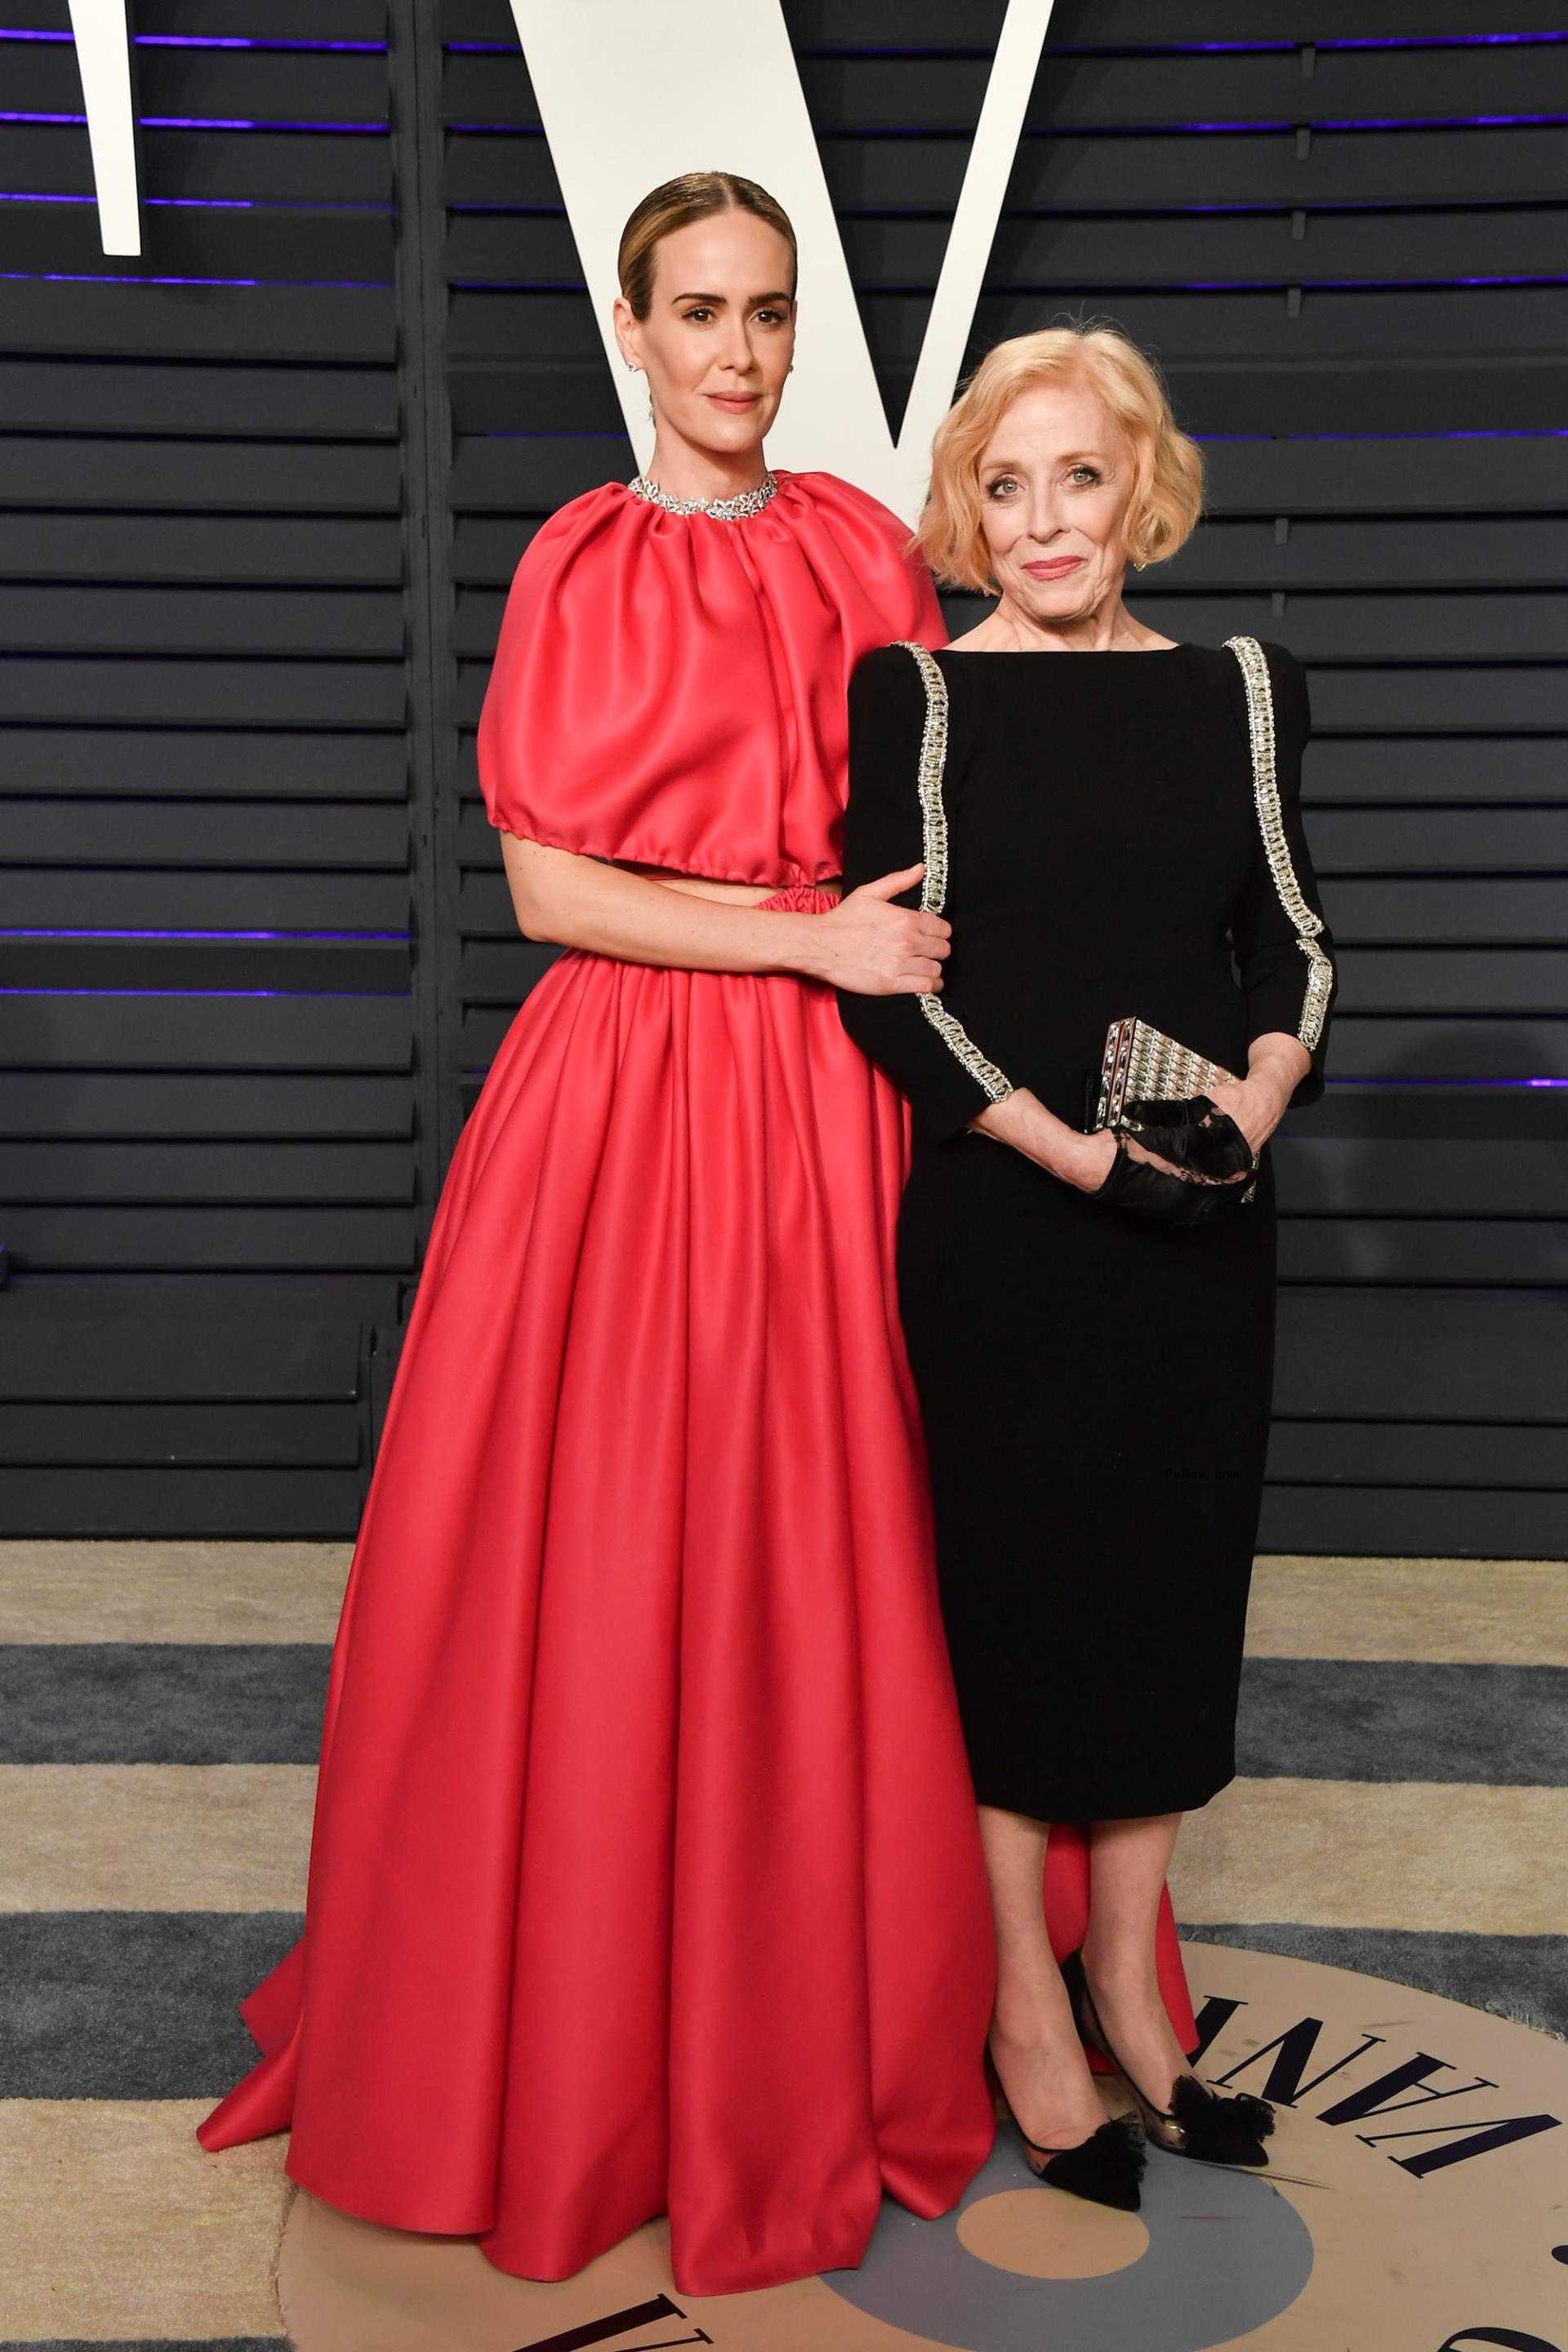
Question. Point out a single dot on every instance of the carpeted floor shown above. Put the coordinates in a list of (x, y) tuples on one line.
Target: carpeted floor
[(1401, 1811)]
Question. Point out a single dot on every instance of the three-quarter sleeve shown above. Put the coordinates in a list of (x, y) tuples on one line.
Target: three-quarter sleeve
[(884, 831), (1284, 949)]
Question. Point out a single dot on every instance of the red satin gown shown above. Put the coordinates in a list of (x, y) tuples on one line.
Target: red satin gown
[(644, 1875)]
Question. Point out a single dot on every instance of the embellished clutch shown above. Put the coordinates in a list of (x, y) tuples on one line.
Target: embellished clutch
[(1145, 1080), (1141, 1064)]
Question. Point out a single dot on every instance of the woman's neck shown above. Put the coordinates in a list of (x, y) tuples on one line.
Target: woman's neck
[(685, 471), (1111, 628)]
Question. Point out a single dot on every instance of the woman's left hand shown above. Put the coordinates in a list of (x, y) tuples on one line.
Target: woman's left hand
[(1259, 1102)]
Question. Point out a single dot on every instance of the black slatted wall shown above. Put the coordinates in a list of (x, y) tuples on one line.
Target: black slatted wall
[(208, 1099), (1342, 230)]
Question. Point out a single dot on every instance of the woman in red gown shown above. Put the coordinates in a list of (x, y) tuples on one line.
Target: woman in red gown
[(646, 1875)]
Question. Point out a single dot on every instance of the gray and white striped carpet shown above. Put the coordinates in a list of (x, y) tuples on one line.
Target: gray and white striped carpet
[(1403, 1811)]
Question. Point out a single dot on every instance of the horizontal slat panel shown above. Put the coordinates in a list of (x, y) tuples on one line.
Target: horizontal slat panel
[(219, 1434), (1453, 979), (148, 762), (1531, 1252), (1426, 768), (238, 477), (1413, 1356), (285, 550), (502, 972), (1092, 26), (1459, 841), (1381, 628), (1346, 1175), (201, 1104), (43, 1361), (172, 834), (265, 322), (95, 900), (1266, 90), (305, 21), (107, 1501), (1211, 326), (1097, 25), (1390, 1454), (1395, 1522), (1148, 172), (1434, 1114), (1445, 1048), (538, 474), (207, 693), (1509, 551), (1505, 913), (218, 85), (296, 167), (110, 397), (147, 965), (156, 620), (73, 1170), (193, 1033), (253, 1240), (1454, 699), (1056, 252), (292, 246)]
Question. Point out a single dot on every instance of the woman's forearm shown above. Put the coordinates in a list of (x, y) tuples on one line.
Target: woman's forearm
[(562, 899), (1022, 1120)]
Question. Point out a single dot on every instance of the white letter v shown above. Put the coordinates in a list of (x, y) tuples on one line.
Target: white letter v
[(634, 92)]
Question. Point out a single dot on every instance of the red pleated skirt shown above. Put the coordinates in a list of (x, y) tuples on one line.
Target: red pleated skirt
[(646, 1875)]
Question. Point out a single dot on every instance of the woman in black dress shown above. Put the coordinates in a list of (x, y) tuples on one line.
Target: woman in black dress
[(1089, 1314)]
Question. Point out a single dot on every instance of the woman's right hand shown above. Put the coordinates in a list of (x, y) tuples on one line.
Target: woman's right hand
[(871, 948)]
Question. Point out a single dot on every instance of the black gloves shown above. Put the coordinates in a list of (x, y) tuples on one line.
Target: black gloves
[(1217, 1160)]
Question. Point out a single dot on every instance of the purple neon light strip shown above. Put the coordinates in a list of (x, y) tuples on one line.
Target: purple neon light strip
[(250, 996), (205, 41), (198, 122), (195, 204), (1446, 1085), (140, 277), (400, 939), (1479, 433), (271, 205)]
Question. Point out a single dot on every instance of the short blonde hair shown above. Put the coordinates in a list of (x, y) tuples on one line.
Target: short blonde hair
[(1168, 483)]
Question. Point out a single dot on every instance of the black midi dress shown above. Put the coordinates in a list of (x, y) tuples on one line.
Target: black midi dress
[(1095, 1387)]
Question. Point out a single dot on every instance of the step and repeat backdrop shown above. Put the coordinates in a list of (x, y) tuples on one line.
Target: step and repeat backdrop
[(262, 489)]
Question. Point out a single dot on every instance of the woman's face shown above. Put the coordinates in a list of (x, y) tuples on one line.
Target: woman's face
[(719, 333), (1056, 482)]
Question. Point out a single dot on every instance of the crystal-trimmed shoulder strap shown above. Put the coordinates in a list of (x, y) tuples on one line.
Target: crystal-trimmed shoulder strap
[(1254, 664), (933, 890)]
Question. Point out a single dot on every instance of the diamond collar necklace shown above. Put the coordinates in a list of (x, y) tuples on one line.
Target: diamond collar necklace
[(735, 510)]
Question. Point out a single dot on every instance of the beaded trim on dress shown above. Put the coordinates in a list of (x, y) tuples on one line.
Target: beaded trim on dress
[(736, 509)]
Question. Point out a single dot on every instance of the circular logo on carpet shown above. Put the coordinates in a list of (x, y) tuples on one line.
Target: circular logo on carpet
[(1416, 2200)]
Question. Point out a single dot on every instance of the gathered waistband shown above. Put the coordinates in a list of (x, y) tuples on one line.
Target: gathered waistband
[(799, 899)]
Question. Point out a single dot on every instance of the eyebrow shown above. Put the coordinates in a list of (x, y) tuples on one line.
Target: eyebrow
[(1067, 458), (721, 301)]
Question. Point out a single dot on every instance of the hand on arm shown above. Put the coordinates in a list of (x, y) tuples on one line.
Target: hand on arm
[(864, 944)]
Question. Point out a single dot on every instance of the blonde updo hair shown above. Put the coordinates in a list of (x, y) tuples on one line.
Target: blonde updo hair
[(1168, 469), (694, 197)]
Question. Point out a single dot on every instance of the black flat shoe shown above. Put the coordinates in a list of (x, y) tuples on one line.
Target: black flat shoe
[(1105, 2168), (1197, 2123)]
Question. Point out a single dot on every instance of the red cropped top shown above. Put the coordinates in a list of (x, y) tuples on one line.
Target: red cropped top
[(670, 689)]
